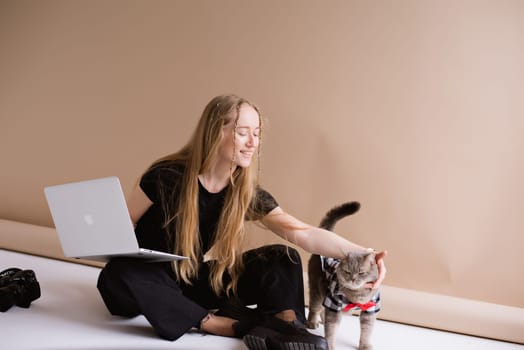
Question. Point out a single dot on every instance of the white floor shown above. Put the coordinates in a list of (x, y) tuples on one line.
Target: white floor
[(70, 315)]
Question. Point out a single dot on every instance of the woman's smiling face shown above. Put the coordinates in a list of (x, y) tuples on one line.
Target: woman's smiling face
[(241, 139)]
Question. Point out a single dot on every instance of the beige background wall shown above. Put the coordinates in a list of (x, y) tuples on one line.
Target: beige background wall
[(413, 108)]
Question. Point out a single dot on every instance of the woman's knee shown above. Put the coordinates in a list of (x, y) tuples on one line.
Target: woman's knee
[(288, 253), (115, 267), (129, 268), (281, 254)]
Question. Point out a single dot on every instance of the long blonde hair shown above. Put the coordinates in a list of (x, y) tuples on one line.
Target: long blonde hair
[(197, 156)]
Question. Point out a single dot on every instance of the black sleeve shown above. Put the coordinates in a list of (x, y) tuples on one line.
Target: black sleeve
[(149, 184), (161, 177), (262, 204)]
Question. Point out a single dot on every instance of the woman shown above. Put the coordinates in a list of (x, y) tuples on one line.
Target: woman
[(195, 203)]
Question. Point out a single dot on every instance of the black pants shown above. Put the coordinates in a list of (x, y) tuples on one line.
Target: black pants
[(272, 279)]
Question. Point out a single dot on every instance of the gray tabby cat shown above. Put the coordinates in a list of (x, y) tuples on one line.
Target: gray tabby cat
[(339, 285)]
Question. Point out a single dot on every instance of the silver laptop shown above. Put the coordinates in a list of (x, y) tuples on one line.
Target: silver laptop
[(92, 221)]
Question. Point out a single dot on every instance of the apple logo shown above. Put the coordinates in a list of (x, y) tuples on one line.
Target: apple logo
[(88, 218)]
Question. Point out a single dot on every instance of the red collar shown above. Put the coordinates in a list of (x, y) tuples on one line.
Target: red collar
[(363, 307)]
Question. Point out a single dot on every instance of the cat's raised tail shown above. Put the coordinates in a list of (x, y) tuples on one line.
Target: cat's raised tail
[(337, 213)]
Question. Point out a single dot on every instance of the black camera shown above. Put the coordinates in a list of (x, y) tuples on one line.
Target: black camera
[(18, 287)]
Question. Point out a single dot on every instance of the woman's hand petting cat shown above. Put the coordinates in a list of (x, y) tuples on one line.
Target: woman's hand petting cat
[(379, 258)]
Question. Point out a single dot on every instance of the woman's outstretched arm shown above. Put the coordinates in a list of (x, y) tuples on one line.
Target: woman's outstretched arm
[(317, 240)]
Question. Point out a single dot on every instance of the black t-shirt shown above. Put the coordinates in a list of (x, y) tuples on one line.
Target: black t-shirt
[(165, 179)]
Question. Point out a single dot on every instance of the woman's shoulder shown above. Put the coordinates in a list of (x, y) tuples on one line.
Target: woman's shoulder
[(262, 203), (262, 194), (164, 172), (162, 177), (167, 167)]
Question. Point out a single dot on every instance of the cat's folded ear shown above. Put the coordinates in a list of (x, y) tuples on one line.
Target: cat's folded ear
[(371, 251), (371, 255)]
